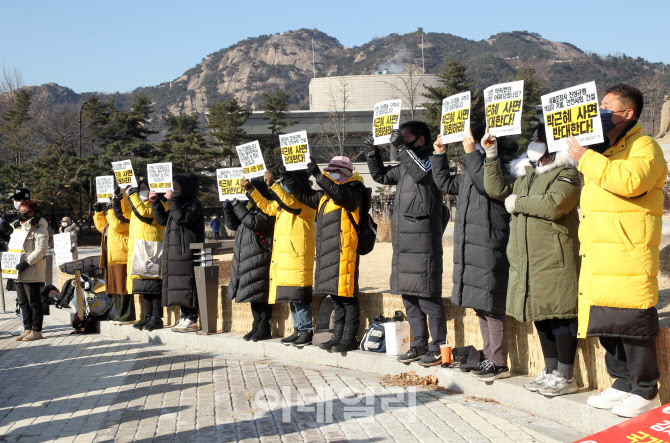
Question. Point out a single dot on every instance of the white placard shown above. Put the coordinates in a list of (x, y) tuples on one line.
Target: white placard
[(159, 176), (125, 176), (503, 103), (572, 111), (251, 159), (228, 182), (9, 262), (386, 119), (455, 120), (104, 188), (294, 150), (16, 241), (62, 248)]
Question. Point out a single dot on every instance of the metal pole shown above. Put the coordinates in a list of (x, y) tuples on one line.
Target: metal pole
[(2, 293)]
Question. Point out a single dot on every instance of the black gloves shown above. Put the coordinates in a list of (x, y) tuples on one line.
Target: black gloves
[(22, 266), (97, 207), (108, 206), (313, 168), (370, 148), (130, 191), (234, 202), (227, 205), (397, 139), (118, 192)]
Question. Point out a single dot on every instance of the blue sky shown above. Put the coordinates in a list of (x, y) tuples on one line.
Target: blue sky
[(110, 46)]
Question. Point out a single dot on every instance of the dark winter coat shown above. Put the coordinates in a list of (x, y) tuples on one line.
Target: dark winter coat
[(252, 253), (184, 224), (417, 222), (336, 237), (481, 232)]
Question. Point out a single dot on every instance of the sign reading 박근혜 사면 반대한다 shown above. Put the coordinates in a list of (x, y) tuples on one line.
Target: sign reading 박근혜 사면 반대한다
[(228, 183), (455, 120), (104, 188), (294, 150), (251, 159), (572, 111), (386, 118), (125, 176), (9, 262), (503, 104), (159, 176), (63, 248)]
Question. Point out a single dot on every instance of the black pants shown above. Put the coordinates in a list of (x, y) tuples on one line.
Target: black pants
[(558, 338), (633, 363), (416, 309), (262, 312), (28, 295), (152, 305), (125, 307), (347, 311)]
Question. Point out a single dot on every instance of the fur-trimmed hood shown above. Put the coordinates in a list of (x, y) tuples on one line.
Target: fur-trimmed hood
[(518, 166)]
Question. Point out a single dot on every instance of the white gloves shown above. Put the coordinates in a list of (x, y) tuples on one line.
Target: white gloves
[(490, 145), (510, 202)]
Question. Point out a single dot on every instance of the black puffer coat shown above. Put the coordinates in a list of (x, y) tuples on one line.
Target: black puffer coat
[(184, 224), (252, 253), (417, 222), (481, 232)]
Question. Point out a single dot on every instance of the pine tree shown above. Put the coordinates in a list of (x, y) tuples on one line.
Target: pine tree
[(533, 89), (275, 107), (225, 125), (185, 145), (15, 135)]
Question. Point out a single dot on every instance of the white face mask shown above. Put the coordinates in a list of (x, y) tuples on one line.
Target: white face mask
[(64, 225), (334, 175), (17, 204), (536, 150), (144, 195)]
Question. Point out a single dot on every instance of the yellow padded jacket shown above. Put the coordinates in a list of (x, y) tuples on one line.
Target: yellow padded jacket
[(116, 238)]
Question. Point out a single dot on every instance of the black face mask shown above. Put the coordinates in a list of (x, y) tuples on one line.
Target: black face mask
[(23, 216), (410, 145)]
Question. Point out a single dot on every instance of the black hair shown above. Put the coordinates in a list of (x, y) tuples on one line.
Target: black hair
[(541, 132), (418, 129), (630, 96), (478, 132), (190, 185)]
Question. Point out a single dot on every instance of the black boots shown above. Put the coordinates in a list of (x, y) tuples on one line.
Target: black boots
[(304, 339), (288, 341), (337, 337), (263, 332), (140, 324), (154, 323), (348, 342), (254, 328)]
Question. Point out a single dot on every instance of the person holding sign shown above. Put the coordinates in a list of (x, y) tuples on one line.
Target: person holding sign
[(183, 221), (33, 231), (145, 250), (292, 263), (252, 255), (481, 232), (418, 221), (620, 233), (543, 252), (66, 225), (337, 218), (114, 259)]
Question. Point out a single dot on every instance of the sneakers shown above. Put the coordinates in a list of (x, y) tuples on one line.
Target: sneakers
[(154, 323), (140, 324), (179, 324), (288, 341), (304, 339), (415, 353), (539, 381), (34, 335), (23, 335), (186, 326), (431, 358), (558, 384), (607, 399), (492, 372), (18, 331), (633, 405), (480, 367)]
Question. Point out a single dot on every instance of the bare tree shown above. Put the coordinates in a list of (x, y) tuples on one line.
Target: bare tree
[(654, 87), (335, 125), (412, 84)]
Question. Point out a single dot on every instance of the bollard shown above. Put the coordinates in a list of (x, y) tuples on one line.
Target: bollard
[(207, 284), (50, 268)]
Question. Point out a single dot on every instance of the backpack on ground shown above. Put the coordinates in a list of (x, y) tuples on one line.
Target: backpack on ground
[(325, 321), (63, 298), (374, 339), (367, 228)]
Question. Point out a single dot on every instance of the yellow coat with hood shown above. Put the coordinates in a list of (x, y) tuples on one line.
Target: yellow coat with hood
[(292, 265), (620, 233), (117, 236)]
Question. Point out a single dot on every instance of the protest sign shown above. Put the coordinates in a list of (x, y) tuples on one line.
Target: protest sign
[(650, 427), (9, 262), (63, 248), (572, 111), (503, 103), (123, 171), (251, 159), (294, 150), (104, 188), (386, 119), (228, 182), (455, 117), (16, 241), (159, 176)]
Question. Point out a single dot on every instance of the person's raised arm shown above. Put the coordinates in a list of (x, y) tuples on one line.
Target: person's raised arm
[(304, 194), (385, 175)]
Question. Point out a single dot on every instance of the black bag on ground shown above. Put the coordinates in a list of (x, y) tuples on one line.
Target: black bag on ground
[(466, 358), (44, 297), (367, 228), (62, 299), (86, 326), (325, 321)]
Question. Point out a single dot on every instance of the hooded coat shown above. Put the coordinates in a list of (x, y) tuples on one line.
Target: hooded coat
[(184, 224), (336, 237), (114, 238), (620, 234), (35, 249), (292, 264), (252, 253), (481, 232), (543, 250), (417, 222)]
